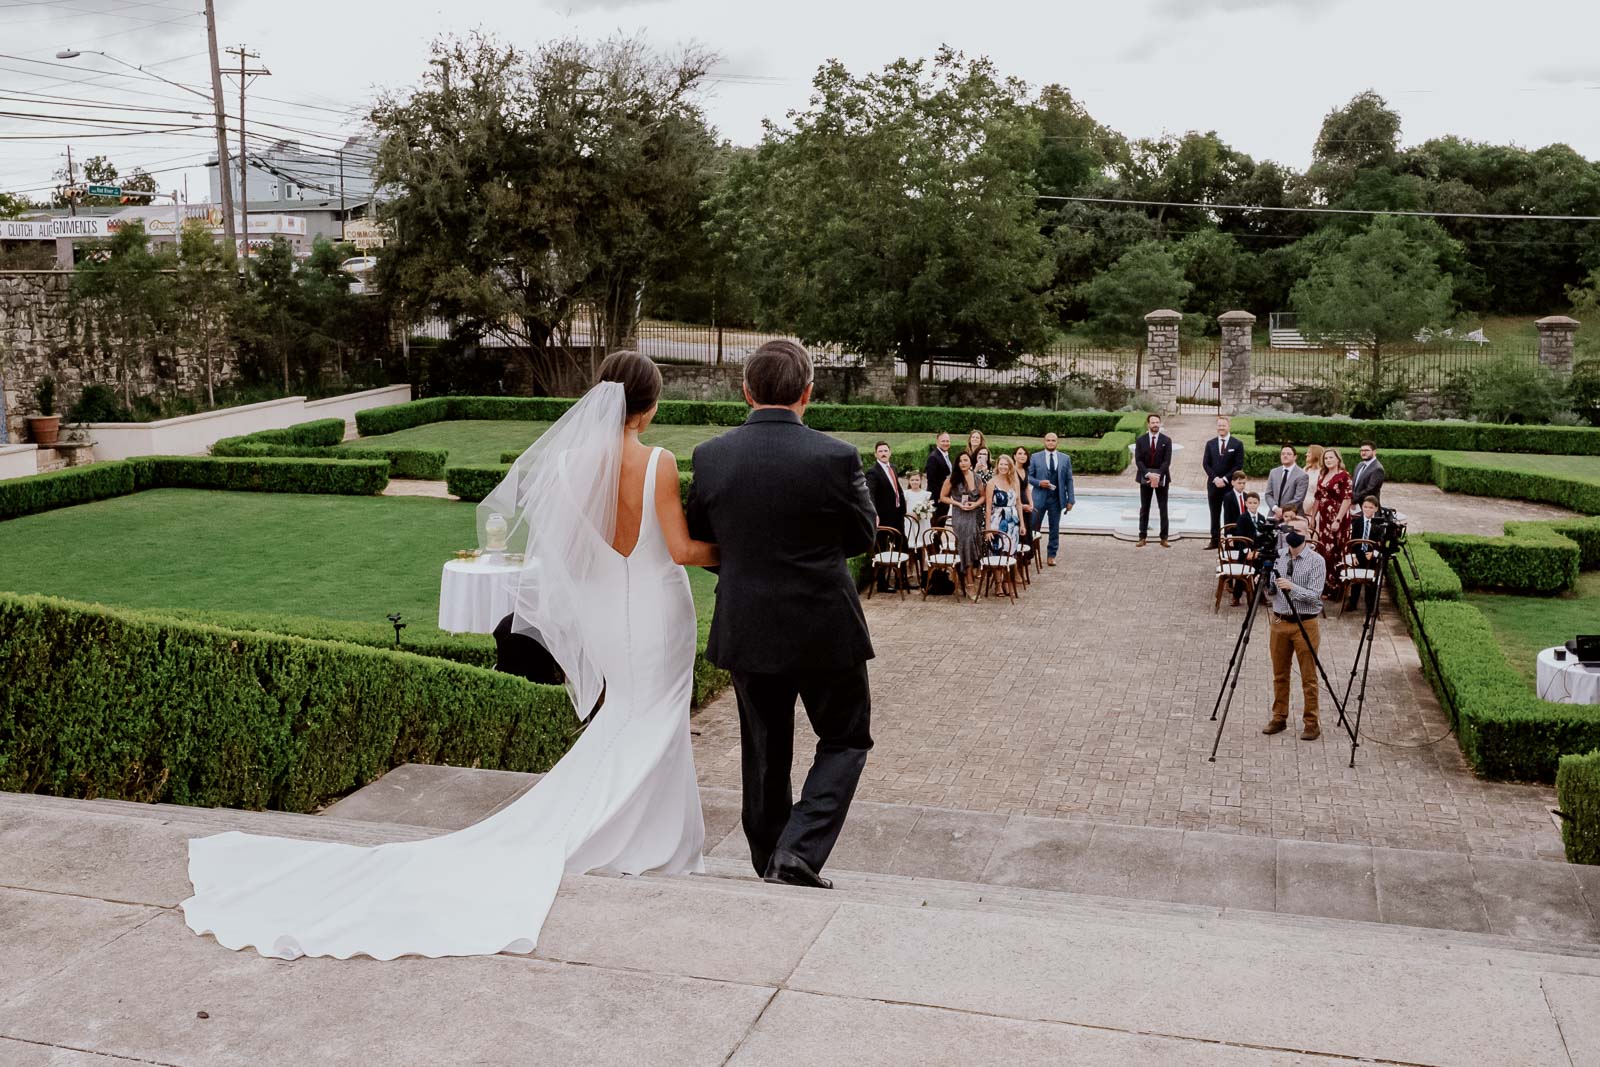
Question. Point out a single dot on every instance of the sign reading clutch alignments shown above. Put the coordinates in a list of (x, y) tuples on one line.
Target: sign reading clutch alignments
[(50, 229)]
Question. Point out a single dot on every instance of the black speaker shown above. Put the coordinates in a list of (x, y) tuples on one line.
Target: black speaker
[(523, 656)]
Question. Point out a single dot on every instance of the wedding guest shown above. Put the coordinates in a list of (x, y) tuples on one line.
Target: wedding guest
[(963, 496), (940, 466), (1286, 485), (1297, 581), (1049, 473), (1237, 518), (887, 495), (1003, 500), (1365, 528), (1019, 459), (1152, 455), (975, 441), (1224, 454), (1313, 472), (919, 509), (1332, 523), (1292, 520), (980, 465), (1367, 479)]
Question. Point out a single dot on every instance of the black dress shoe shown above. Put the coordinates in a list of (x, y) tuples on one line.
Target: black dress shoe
[(789, 869)]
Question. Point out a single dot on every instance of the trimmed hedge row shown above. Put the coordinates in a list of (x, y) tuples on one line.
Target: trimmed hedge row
[(319, 433), (1434, 580), (1458, 474), (1585, 533), (1399, 465), (1536, 559), (1435, 436), (1578, 794), (62, 489), (261, 475), (829, 418), (423, 463), (96, 702)]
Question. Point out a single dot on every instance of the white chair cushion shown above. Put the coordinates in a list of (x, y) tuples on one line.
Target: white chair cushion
[(946, 559), (1233, 570), (890, 557), (999, 561), (1358, 574)]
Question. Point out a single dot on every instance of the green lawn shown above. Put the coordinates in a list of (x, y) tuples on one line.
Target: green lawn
[(1567, 466), (475, 442), (1526, 624), (354, 559)]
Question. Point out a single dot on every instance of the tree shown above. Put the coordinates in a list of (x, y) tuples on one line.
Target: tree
[(14, 204), (208, 284), (270, 321), (122, 292), (138, 182), (1143, 279), (1378, 287), (895, 217), (530, 192), (1362, 135)]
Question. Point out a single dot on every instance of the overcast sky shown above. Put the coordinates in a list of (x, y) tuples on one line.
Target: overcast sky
[(1262, 73)]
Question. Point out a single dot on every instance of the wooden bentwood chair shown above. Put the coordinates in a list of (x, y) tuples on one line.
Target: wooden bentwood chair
[(890, 559), (1353, 572), (940, 555), (998, 567), (1235, 556)]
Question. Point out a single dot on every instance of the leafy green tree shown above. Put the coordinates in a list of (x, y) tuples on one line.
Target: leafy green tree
[(122, 293), (209, 287), (533, 191), (270, 320), (1222, 275), (1362, 135), (1378, 287), (895, 216), (14, 204), (1145, 278)]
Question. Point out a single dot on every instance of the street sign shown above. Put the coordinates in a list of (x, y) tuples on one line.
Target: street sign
[(105, 190)]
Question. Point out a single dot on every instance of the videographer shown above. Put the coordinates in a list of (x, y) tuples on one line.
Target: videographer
[(1297, 579)]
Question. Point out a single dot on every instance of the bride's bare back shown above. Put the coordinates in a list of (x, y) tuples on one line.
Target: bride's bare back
[(668, 504)]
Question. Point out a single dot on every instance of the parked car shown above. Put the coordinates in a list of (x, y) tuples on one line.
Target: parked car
[(360, 268)]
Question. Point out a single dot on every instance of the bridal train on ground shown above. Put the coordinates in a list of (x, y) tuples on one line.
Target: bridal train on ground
[(623, 799)]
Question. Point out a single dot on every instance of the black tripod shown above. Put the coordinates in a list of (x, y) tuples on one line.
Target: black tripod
[(1265, 567)]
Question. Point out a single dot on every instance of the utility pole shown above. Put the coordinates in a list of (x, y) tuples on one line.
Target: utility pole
[(244, 156), (72, 180), (229, 234), (341, 195)]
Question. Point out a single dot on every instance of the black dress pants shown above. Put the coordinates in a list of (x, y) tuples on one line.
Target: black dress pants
[(1214, 498), (1145, 493), (839, 705)]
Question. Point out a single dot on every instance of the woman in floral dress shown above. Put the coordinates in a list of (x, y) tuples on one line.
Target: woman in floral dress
[(1332, 522)]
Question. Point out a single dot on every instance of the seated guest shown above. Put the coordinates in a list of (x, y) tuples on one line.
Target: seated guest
[(1364, 527), (916, 496)]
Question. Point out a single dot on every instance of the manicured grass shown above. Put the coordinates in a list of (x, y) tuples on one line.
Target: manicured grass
[(1525, 624), (341, 558), (1566, 466), (472, 443)]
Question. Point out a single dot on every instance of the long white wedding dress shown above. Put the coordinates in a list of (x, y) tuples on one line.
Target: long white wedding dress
[(623, 799)]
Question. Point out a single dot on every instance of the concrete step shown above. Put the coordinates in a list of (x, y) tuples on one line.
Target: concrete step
[(1534, 899), (727, 969)]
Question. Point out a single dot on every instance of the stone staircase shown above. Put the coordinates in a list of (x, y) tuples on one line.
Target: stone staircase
[(96, 967)]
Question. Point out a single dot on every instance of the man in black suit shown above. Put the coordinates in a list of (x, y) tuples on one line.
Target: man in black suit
[(1364, 527), (788, 624), (887, 497), (1152, 455), (1224, 454), (1367, 479), (938, 471)]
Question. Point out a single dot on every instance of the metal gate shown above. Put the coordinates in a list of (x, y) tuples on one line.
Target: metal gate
[(1200, 378)]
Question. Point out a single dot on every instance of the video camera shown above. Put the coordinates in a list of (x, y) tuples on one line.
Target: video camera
[(1390, 530)]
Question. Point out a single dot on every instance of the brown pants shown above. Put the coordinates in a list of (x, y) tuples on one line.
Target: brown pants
[(1285, 640)]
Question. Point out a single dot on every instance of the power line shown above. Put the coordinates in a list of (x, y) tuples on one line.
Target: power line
[(1318, 210)]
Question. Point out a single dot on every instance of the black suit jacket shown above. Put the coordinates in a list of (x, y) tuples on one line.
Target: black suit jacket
[(788, 507), (1158, 462), (1359, 532), (891, 513), (1243, 522), (1218, 465), (937, 472)]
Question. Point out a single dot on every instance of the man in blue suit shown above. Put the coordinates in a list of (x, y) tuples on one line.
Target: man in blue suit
[(1050, 478)]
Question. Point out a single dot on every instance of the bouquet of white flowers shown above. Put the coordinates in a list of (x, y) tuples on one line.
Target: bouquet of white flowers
[(922, 512)]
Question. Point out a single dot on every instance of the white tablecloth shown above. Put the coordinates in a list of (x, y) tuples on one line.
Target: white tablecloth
[(474, 595), (1567, 681)]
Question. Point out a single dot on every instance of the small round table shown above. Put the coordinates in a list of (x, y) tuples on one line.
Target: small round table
[(474, 595), (1566, 681)]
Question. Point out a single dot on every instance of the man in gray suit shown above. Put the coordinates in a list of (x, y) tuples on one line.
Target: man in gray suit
[(1287, 484), (1368, 475)]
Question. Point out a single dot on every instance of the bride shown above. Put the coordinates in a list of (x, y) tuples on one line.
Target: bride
[(600, 522)]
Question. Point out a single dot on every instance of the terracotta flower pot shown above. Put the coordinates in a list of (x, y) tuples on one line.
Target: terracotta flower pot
[(44, 428)]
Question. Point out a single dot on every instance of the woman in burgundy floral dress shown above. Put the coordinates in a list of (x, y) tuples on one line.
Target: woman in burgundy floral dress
[(1332, 523)]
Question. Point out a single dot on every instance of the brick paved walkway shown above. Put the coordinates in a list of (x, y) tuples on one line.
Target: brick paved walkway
[(1091, 698)]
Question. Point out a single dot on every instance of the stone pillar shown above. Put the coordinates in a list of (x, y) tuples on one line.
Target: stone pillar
[(880, 379), (1161, 358), (1555, 342), (1237, 342)]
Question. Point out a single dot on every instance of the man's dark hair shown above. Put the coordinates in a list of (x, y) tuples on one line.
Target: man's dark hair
[(1289, 447), (1238, 476), (640, 378), (1369, 444), (880, 444), (1369, 499), (1152, 415), (777, 373), (1252, 495)]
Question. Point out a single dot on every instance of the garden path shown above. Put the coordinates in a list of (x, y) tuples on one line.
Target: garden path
[(1090, 699)]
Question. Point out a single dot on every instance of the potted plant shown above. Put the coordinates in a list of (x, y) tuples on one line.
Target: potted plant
[(45, 426)]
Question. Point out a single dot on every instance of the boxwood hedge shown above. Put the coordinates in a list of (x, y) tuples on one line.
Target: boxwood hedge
[(264, 475), (60, 489), (1578, 794), (1429, 435), (1536, 559), (97, 702)]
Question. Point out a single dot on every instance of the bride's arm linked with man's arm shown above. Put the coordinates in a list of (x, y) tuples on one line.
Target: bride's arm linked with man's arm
[(686, 551)]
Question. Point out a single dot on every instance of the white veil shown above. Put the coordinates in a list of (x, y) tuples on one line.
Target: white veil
[(560, 504)]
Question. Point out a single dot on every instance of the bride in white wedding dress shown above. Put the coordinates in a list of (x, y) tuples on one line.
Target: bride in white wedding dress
[(605, 591)]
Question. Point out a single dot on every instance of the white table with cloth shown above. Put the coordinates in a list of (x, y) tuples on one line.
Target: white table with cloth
[(1566, 681), (475, 594)]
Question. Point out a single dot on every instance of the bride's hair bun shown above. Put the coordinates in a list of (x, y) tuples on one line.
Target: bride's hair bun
[(639, 376)]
